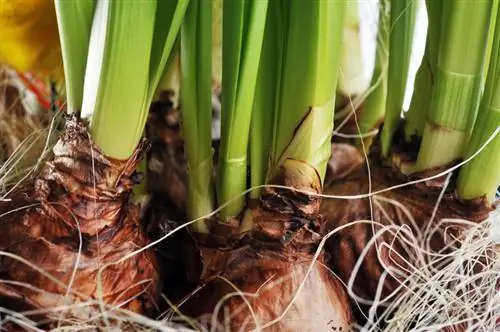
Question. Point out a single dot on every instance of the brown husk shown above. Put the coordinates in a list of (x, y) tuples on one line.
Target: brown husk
[(77, 210), (17, 124), (418, 199), (270, 261)]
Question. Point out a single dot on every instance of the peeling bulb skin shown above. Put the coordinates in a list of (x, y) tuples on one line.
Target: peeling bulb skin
[(270, 287), (77, 211), (267, 278), (345, 159), (394, 208)]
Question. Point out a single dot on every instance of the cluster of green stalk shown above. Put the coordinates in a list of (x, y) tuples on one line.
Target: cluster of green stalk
[(453, 110), (279, 83), (115, 54)]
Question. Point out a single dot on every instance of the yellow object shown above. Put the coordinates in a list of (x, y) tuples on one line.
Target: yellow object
[(29, 39)]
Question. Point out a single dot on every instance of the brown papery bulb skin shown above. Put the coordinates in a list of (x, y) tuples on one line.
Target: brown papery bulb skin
[(280, 294), (268, 279), (396, 207), (73, 221)]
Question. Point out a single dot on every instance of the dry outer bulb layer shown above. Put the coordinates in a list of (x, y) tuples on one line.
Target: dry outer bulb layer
[(397, 208), (267, 278), (73, 224), (18, 125)]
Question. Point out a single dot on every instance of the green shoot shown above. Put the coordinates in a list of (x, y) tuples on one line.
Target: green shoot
[(168, 20), (243, 31), (424, 81), (118, 89), (481, 177), (352, 81), (265, 98), (373, 109), (403, 18), (217, 43), (456, 93), (303, 120), (196, 97), (74, 19), (491, 35)]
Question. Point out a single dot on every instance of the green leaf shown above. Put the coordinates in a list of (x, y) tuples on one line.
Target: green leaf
[(268, 82), (243, 31), (458, 78), (168, 20), (308, 78), (196, 96), (372, 113), (403, 18), (74, 19), (117, 77), (129, 47), (480, 177)]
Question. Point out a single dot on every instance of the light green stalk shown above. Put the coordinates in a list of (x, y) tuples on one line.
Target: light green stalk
[(74, 19), (352, 81), (373, 109), (268, 82), (172, 77), (196, 96), (403, 18), (118, 89), (243, 31), (168, 20), (456, 92), (303, 121), (481, 176), (217, 44), (424, 80), (491, 34)]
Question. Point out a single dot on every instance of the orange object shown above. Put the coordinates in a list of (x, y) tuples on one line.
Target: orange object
[(29, 43), (29, 38)]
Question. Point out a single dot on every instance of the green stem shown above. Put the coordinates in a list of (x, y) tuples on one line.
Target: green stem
[(456, 92), (171, 78), (420, 100), (403, 18), (118, 121), (196, 96), (129, 47), (168, 20), (303, 122), (265, 98), (243, 31), (217, 44), (424, 80), (491, 34), (373, 109), (480, 177), (74, 19), (352, 80)]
